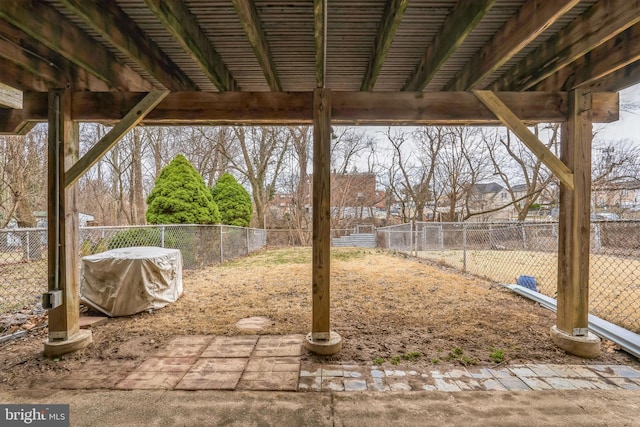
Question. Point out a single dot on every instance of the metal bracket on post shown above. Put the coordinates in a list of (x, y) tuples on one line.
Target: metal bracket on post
[(580, 332), (321, 336)]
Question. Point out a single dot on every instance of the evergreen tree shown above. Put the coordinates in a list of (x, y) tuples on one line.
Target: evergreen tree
[(233, 201), (180, 196)]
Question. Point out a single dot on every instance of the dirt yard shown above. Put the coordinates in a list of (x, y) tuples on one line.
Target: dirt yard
[(389, 310)]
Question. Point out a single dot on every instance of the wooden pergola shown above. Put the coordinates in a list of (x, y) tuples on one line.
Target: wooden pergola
[(317, 62)]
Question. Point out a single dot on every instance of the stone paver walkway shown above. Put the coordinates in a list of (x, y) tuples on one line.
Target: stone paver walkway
[(273, 363)]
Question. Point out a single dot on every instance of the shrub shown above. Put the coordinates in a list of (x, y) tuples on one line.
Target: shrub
[(234, 202), (180, 196)]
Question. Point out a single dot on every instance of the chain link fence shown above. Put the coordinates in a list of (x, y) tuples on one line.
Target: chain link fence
[(502, 252), (23, 252)]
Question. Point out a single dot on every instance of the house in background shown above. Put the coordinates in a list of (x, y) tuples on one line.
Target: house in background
[(485, 197)]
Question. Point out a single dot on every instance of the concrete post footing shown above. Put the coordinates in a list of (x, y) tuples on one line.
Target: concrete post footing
[(78, 341), (324, 347), (584, 346)]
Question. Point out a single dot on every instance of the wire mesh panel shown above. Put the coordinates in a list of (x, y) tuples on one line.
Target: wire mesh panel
[(23, 252), (23, 268), (502, 252)]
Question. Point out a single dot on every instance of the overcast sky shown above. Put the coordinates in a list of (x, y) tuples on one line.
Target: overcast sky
[(628, 127)]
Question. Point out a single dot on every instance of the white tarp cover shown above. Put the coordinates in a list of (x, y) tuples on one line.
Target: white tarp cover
[(125, 281)]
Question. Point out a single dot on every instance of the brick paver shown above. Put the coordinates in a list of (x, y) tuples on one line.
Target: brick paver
[(252, 362)]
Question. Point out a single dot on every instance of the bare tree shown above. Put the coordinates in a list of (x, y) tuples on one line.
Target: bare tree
[(414, 156), (513, 162), (262, 150), (23, 174), (301, 141), (348, 144), (616, 170), (461, 165)]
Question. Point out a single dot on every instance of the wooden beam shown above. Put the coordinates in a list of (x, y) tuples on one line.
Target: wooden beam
[(574, 218), (602, 21), (321, 245), (295, 108), (248, 15), (128, 122), (510, 120), (62, 217), (45, 24), (532, 19), (456, 27), (391, 18), (320, 35), (181, 23), (10, 97), (109, 20), (14, 122), (614, 54), (458, 108), (623, 78), (30, 66)]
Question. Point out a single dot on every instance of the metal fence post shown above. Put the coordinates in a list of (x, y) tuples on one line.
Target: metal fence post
[(411, 238), (464, 247), (162, 236), (221, 253), (28, 248), (524, 237)]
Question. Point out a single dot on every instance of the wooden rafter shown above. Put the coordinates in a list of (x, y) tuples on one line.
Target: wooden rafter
[(510, 120), (621, 79), (532, 19), (248, 15), (290, 108), (45, 24), (391, 18), (602, 21), (320, 35), (128, 122), (462, 19), (181, 23), (607, 58), (10, 97), (110, 21), (30, 66), (21, 78)]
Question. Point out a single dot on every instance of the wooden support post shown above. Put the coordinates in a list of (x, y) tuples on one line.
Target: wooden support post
[(321, 212), (63, 230), (571, 331), (321, 340)]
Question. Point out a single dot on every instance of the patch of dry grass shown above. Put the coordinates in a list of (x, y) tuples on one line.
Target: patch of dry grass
[(614, 292)]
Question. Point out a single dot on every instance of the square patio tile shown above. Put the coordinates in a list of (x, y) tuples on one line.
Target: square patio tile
[(166, 364), (240, 346), (273, 364), (209, 380), (212, 364), (150, 380), (272, 346), (275, 381), (190, 340), (310, 384)]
